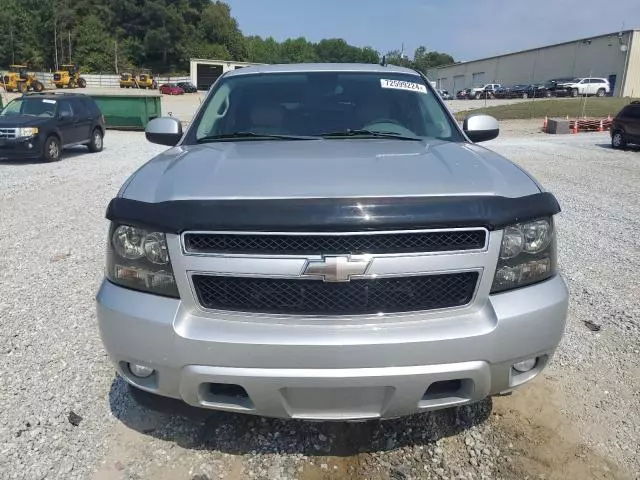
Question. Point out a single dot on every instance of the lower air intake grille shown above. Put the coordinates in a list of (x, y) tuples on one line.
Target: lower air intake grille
[(315, 297)]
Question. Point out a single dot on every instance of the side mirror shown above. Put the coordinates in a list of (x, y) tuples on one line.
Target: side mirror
[(480, 128), (164, 131), (64, 115)]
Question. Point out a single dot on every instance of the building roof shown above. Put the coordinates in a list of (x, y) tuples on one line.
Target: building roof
[(614, 34), (321, 67)]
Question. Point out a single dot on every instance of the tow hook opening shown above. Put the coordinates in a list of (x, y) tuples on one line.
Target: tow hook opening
[(225, 394)]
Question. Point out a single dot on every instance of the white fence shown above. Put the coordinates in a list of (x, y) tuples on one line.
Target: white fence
[(107, 81)]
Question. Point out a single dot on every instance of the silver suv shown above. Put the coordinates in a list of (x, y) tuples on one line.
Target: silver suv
[(325, 242)]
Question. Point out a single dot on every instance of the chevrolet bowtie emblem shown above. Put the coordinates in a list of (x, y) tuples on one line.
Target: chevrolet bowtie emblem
[(337, 269)]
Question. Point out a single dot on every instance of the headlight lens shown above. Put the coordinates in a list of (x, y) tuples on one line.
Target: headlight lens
[(537, 236), (139, 259), (27, 132), (527, 255)]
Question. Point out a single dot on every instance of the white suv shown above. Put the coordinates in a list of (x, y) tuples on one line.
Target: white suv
[(486, 91), (589, 86)]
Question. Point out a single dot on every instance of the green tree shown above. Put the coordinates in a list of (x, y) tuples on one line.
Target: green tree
[(423, 59), (395, 57), (219, 27), (297, 50), (95, 46), (262, 51), (158, 34)]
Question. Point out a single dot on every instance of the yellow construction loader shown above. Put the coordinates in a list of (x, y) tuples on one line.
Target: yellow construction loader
[(69, 76), (19, 80), (128, 80), (146, 80)]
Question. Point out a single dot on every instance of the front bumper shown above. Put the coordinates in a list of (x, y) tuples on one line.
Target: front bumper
[(21, 149), (325, 371)]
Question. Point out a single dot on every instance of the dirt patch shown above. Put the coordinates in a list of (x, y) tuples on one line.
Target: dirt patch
[(521, 128), (542, 441)]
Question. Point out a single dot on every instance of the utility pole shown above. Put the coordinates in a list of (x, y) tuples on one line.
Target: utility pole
[(55, 40), (70, 47), (116, 51), (13, 50)]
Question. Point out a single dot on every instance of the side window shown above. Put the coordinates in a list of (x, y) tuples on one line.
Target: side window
[(79, 108), (93, 108), (215, 112), (634, 112), (89, 106), (65, 107), (625, 112)]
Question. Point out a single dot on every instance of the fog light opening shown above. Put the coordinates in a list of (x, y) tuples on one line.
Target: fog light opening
[(140, 371), (525, 365)]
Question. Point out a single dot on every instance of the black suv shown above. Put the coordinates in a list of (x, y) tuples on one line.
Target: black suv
[(39, 125), (188, 87), (625, 127)]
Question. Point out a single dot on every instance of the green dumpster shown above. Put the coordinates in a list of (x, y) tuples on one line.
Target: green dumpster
[(129, 112)]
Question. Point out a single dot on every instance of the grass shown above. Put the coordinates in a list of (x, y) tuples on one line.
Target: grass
[(559, 107)]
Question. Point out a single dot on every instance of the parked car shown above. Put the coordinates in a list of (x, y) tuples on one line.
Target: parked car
[(38, 126), (303, 254), (558, 87), (188, 87), (171, 89), (490, 90), (625, 127), (512, 91), (485, 91), (445, 95), (538, 90), (528, 91), (462, 94), (588, 86)]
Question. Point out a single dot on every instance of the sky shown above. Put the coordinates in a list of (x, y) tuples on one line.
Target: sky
[(466, 29)]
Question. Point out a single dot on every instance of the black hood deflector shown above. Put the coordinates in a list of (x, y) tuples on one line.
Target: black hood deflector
[(332, 214)]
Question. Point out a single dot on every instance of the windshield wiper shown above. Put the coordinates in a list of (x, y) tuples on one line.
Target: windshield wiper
[(252, 136), (369, 133)]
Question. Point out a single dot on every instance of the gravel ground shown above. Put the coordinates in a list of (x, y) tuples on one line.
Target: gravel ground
[(66, 416)]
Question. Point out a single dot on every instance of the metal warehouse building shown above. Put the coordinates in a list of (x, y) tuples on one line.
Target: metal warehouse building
[(614, 56)]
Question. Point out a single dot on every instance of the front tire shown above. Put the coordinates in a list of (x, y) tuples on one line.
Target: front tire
[(618, 141), (96, 143), (52, 149), (38, 86), (575, 92), (478, 96), (525, 96)]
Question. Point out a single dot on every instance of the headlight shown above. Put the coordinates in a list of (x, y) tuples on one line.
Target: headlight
[(527, 255), (27, 132), (139, 259)]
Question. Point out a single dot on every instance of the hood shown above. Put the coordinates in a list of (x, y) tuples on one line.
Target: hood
[(326, 168), (22, 121)]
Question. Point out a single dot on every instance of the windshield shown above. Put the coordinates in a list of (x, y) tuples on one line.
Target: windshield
[(38, 107), (324, 103)]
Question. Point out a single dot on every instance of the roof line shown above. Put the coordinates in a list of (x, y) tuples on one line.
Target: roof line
[(592, 37)]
